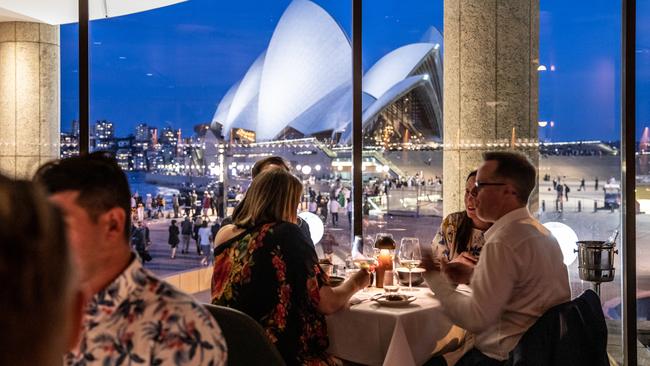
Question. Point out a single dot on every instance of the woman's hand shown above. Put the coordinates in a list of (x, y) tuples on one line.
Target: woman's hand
[(360, 279), (333, 299)]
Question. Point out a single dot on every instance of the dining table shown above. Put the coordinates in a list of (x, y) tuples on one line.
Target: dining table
[(370, 333)]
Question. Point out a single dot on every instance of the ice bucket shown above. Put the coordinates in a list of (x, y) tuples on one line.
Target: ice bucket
[(596, 260)]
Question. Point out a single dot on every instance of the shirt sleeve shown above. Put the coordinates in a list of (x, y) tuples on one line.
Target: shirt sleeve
[(492, 284)]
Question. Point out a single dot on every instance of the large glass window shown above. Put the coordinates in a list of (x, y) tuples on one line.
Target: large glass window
[(643, 179), (579, 132), (69, 38), (190, 96), (402, 119)]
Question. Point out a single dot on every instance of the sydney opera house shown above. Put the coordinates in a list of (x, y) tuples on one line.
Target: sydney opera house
[(301, 87)]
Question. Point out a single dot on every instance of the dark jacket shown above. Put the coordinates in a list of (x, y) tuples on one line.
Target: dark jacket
[(173, 235), (573, 333), (186, 227)]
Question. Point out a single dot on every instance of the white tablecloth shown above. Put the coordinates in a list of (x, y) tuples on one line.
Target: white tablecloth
[(371, 334)]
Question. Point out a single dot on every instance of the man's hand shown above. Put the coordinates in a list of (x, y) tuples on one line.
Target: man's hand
[(431, 261), (460, 269)]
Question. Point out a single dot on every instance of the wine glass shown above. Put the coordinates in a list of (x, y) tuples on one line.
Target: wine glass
[(378, 236), (409, 256), (368, 264)]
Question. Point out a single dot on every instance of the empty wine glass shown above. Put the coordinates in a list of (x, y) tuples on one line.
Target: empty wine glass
[(378, 236), (409, 256)]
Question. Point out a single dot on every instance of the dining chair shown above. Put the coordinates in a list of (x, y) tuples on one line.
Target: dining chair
[(572, 333), (247, 343)]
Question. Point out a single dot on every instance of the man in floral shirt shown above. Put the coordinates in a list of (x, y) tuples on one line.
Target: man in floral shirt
[(133, 317)]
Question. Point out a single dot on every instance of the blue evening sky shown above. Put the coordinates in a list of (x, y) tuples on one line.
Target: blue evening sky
[(173, 65)]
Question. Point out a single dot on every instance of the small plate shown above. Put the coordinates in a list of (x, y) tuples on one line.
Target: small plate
[(386, 300)]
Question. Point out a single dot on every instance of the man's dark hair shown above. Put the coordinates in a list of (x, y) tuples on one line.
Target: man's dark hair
[(271, 160), (517, 168), (101, 183)]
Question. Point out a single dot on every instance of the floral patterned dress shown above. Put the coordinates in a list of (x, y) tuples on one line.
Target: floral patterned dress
[(445, 239), (271, 273)]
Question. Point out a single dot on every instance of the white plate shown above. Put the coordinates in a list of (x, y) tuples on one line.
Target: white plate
[(381, 299)]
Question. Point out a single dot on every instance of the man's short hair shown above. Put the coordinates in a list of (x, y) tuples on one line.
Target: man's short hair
[(517, 168), (101, 183), (271, 160), (35, 272)]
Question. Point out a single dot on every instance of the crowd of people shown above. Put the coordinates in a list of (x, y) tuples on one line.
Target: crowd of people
[(75, 288)]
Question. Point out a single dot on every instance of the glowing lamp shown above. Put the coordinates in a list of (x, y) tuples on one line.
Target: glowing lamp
[(567, 239), (316, 228)]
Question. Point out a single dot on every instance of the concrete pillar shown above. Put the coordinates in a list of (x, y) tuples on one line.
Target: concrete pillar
[(490, 78), (30, 110)]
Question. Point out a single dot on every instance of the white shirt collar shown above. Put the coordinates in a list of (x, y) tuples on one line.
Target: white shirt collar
[(514, 215)]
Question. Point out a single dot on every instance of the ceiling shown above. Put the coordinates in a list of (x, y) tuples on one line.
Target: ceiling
[(66, 11)]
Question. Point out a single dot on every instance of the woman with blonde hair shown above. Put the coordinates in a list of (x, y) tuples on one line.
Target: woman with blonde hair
[(265, 267)]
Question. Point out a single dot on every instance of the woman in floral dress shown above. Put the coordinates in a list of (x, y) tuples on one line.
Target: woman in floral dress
[(266, 267)]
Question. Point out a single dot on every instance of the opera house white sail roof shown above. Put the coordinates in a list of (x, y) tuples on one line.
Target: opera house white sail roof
[(303, 81)]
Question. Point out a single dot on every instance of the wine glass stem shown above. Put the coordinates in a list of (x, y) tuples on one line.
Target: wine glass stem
[(410, 280)]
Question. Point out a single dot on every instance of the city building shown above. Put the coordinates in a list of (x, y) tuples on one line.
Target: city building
[(104, 135)]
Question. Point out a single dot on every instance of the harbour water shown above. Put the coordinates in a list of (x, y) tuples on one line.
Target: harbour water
[(138, 184)]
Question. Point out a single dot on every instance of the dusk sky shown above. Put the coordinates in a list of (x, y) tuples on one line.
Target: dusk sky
[(173, 65)]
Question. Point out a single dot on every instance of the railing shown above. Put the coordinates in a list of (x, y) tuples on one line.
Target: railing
[(413, 201)]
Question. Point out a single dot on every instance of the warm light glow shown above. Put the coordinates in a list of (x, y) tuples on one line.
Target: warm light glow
[(541, 68), (542, 123)]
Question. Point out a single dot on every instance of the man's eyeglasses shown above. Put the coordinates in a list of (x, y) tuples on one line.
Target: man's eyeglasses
[(479, 185)]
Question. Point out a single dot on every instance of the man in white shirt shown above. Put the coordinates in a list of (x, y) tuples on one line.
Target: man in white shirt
[(520, 273)]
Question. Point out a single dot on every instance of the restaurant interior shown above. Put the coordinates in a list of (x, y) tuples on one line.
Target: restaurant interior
[(380, 109)]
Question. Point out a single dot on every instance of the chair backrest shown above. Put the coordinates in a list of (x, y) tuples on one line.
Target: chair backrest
[(247, 343), (573, 333)]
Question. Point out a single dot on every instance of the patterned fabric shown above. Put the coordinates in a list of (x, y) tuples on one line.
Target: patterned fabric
[(140, 320), (271, 273), (445, 238)]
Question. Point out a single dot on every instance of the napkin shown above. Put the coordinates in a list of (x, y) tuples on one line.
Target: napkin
[(355, 300)]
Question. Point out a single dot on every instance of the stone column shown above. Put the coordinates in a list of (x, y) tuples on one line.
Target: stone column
[(490, 79), (30, 110)]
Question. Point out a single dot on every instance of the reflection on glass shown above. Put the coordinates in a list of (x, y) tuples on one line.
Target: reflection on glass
[(643, 180)]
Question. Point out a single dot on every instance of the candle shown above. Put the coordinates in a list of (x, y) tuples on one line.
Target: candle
[(385, 259), (384, 263)]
